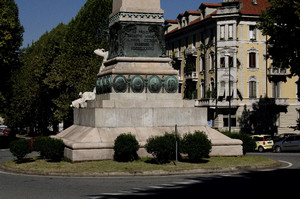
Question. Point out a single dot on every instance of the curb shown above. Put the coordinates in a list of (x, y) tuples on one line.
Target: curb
[(235, 169)]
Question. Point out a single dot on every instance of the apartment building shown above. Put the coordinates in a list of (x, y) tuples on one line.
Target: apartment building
[(221, 58)]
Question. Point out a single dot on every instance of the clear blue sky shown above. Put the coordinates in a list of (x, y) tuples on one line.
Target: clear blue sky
[(39, 16)]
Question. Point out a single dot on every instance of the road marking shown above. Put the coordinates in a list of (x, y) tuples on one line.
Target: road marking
[(288, 166)]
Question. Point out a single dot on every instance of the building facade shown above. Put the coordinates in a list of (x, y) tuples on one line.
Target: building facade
[(220, 55)]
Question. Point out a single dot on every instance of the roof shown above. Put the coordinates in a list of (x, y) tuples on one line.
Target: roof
[(249, 8), (211, 5), (171, 21), (192, 12)]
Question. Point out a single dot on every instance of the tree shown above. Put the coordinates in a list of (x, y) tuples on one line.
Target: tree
[(11, 37), (75, 69), (57, 67), (245, 121), (281, 22), (264, 116), (32, 99)]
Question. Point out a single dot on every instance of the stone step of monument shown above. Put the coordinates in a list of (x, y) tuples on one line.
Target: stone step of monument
[(140, 100)]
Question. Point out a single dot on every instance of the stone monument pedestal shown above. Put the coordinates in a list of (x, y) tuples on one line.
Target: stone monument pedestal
[(143, 115), (137, 91)]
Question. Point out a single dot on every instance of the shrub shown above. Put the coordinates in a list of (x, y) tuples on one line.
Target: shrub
[(38, 144), (249, 143), (53, 149), (163, 148), (20, 148), (126, 147), (49, 148), (196, 145)]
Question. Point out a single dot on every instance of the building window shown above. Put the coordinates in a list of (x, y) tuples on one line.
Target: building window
[(252, 32), (202, 38), (230, 61), (212, 84), (252, 60), (222, 33), (211, 35), (252, 89), (194, 41), (202, 88), (230, 31), (222, 62), (222, 90), (202, 63), (276, 88), (211, 62), (233, 120), (186, 42)]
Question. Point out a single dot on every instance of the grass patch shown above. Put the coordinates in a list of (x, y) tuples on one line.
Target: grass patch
[(37, 165)]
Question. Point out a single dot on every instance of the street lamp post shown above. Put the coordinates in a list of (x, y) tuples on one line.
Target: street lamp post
[(229, 90)]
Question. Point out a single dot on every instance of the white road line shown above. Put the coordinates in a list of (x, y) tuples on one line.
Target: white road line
[(288, 166)]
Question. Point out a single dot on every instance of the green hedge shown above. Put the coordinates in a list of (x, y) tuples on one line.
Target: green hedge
[(49, 148), (249, 143), (163, 148), (125, 148), (20, 148), (196, 145)]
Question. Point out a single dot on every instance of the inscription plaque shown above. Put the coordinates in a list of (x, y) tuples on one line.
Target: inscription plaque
[(136, 40)]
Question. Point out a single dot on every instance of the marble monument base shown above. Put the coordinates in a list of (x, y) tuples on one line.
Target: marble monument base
[(142, 114)]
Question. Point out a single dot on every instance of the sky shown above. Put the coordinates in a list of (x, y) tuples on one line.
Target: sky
[(39, 16)]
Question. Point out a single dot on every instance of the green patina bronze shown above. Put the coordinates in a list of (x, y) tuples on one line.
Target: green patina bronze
[(128, 39), (120, 84), (171, 84), (154, 84), (137, 84)]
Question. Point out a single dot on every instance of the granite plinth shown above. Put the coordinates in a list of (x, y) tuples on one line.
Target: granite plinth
[(144, 115)]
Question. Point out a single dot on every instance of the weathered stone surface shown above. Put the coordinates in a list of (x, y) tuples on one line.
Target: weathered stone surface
[(137, 91), (87, 143)]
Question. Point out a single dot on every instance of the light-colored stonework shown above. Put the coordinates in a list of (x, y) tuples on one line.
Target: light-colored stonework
[(137, 95)]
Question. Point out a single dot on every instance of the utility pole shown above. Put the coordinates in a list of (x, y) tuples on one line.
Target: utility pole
[(176, 150), (229, 90)]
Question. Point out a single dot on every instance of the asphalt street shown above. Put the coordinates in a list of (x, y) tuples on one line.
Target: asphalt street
[(265, 183)]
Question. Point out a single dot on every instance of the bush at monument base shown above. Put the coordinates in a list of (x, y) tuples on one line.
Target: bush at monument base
[(125, 148), (163, 148), (49, 148), (20, 148), (196, 145)]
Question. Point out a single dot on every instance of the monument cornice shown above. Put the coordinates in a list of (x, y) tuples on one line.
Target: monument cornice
[(137, 17)]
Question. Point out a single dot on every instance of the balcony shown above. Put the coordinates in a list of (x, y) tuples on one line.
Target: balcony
[(277, 71), (277, 101), (191, 75), (191, 51), (209, 102), (180, 79), (177, 55), (277, 74)]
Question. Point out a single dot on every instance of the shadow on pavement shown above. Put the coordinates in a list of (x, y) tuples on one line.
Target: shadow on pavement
[(283, 182)]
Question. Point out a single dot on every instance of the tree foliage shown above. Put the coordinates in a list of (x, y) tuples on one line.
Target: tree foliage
[(262, 119), (11, 37), (281, 22), (57, 67)]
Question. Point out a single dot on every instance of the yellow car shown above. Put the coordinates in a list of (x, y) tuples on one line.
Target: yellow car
[(263, 142)]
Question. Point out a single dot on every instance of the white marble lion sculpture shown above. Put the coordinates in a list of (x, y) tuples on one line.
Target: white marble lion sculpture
[(104, 54), (84, 97)]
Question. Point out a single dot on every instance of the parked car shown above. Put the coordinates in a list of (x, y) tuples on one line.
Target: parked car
[(4, 131), (291, 143), (263, 142), (282, 137)]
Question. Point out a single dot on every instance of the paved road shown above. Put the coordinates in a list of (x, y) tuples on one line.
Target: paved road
[(262, 183)]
